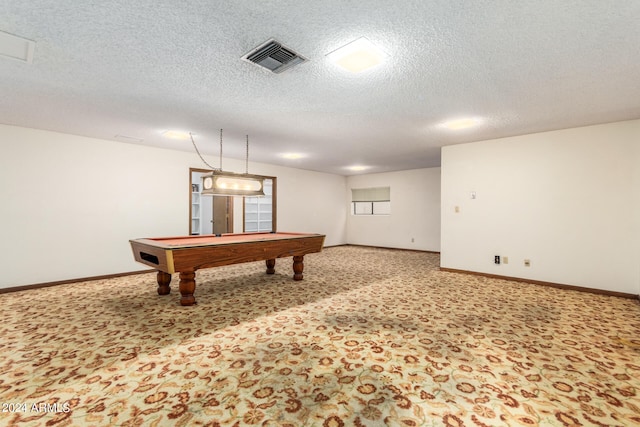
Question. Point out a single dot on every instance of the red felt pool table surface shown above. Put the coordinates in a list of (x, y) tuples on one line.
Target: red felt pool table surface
[(186, 254)]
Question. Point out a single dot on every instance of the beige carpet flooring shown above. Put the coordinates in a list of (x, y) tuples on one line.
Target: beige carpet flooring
[(370, 337)]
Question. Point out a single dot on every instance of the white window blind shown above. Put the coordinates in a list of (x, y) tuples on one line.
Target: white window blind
[(371, 201), (374, 194)]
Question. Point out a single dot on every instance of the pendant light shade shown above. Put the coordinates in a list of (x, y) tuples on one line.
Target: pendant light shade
[(218, 183)]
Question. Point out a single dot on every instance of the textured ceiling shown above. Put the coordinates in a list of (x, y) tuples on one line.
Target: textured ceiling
[(137, 68)]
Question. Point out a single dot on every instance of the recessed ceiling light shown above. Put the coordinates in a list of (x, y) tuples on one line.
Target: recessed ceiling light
[(357, 168), (176, 134), (463, 123), (292, 156), (357, 56)]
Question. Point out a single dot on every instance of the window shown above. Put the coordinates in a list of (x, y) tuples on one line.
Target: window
[(258, 211), (371, 201)]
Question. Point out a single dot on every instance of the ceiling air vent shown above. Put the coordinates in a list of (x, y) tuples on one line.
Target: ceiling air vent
[(274, 57)]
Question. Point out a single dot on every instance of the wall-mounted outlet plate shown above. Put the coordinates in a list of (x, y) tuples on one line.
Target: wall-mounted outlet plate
[(527, 263), (496, 259)]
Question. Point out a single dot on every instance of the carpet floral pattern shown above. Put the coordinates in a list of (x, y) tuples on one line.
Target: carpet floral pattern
[(370, 337)]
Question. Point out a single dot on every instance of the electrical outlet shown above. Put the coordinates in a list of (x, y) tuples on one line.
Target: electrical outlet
[(505, 260), (496, 259), (527, 263), (413, 240)]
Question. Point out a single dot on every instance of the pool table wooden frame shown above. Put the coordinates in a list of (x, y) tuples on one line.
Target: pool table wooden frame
[(186, 254)]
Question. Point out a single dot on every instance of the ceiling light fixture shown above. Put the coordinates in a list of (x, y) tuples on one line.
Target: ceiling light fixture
[(357, 56), (292, 156), (357, 168), (463, 123), (176, 134), (219, 183)]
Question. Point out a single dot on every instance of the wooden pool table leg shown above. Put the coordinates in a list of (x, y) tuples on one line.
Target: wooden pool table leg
[(164, 279), (271, 266), (298, 266), (187, 287)]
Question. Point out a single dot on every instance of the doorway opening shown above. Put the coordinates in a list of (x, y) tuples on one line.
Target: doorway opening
[(208, 214)]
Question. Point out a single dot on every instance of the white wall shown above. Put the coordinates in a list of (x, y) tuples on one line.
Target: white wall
[(307, 202), (567, 200), (636, 187), (70, 204), (415, 211)]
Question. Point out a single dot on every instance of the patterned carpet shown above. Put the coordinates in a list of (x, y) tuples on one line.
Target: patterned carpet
[(370, 337)]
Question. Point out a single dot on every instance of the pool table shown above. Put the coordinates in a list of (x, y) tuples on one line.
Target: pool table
[(189, 253)]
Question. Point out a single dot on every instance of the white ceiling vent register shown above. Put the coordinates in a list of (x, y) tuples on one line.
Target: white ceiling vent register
[(15, 47), (275, 57)]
